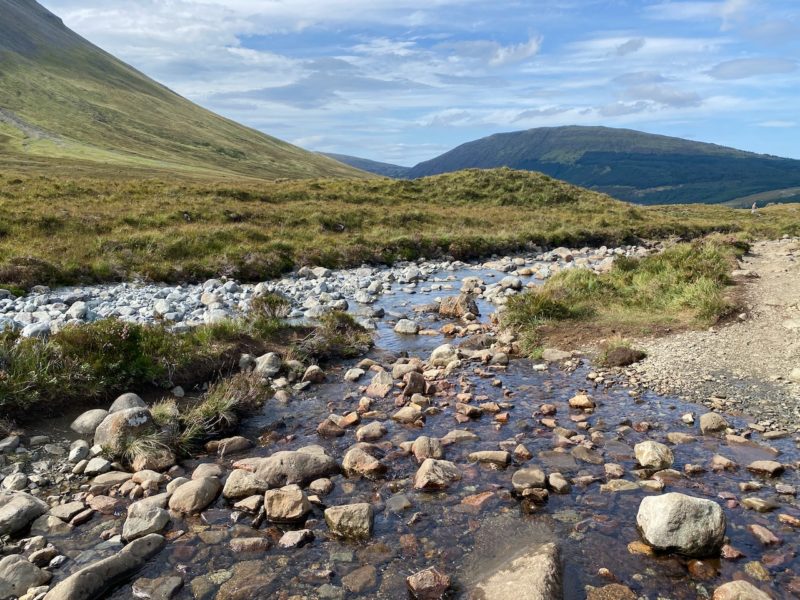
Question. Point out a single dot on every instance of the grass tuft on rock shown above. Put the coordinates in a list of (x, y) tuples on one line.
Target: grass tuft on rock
[(337, 335), (685, 284)]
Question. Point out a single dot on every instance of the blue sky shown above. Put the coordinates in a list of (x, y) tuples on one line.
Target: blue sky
[(404, 80)]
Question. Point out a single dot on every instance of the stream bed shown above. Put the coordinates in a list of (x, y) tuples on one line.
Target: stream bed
[(477, 524)]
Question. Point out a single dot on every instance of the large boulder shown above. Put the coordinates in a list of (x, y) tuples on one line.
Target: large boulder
[(350, 520), (18, 510), (535, 575), (678, 523), (652, 455), (126, 401), (119, 428), (458, 306), (96, 579), (291, 466), (286, 505), (86, 423), (195, 495), (17, 574)]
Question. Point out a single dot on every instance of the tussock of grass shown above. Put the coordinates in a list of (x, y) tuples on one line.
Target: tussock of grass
[(93, 362), (685, 282), (337, 335), (71, 229)]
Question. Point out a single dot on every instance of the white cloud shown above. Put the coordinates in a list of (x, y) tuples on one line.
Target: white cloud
[(505, 55), (778, 124), (743, 68)]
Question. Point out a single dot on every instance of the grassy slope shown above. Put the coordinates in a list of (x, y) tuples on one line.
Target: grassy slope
[(630, 165), (64, 98), (684, 286), (66, 230)]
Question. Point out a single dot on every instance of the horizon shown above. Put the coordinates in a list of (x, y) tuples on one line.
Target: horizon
[(403, 82)]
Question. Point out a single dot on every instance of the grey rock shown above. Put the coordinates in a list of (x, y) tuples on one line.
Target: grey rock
[(18, 510), (17, 574), (125, 401), (678, 523), (291, 466), (87, 422), (536, 575), (93, 581)]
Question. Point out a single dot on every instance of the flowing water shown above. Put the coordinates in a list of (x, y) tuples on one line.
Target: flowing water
[(414, 530)]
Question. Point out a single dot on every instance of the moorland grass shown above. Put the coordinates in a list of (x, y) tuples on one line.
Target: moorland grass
[(61, 230), (685, 284), (89, 364)]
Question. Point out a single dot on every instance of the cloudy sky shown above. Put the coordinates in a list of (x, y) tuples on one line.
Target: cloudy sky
[(404, 80)]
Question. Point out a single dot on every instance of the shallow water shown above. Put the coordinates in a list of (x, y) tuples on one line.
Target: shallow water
[(593, 527)]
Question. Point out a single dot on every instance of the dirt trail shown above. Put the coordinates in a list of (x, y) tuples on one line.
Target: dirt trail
[(745, 366)]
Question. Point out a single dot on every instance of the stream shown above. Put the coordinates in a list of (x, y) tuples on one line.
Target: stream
[(476, 524)]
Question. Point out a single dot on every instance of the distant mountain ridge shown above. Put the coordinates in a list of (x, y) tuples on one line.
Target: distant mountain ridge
[(629, 165), (371, 166), (64, 101)]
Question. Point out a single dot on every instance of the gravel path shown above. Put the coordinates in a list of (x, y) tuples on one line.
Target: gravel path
[(746, 366)]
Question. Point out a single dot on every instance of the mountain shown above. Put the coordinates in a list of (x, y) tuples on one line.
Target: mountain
[(371, 166), (64, 101), (629, 165)]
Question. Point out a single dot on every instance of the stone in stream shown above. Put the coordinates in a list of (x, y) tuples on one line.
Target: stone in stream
[(739, 590), (371, 432), (443, 356), (414, 384), (126, 401), (119, 427), (652, 455), (426, 447), (497, 458), (86, 423), (97, 578), (409, 414), (352, 521), (195, 495), (143, 519), (436, 475), (381, 384), (354, 374), (160, 588), (406, 327), (530, 478), (286, 505), (361, 579), (17, 574), (712, 423), (314, 374), (766, 467), (18, 510), (358, 461), (428, 584), (65, 512), (291, 466), (296, 539), (455, 307), (582, 401), (242, 484), (535, 575), (675, 522)]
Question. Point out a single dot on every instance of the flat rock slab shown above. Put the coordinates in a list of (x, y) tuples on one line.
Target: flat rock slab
[(536, 575)]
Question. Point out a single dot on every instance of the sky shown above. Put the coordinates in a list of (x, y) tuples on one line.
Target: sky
[(402, 81)]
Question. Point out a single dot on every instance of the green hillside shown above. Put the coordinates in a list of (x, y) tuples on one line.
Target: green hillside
[(65, 101), (630, 165)]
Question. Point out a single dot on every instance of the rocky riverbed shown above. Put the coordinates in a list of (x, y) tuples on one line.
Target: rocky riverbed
[(311, 291), (439, 466)]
